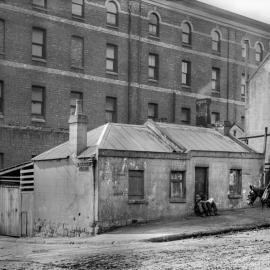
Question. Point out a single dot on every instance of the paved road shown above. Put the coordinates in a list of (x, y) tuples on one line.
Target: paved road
[(249, 250)]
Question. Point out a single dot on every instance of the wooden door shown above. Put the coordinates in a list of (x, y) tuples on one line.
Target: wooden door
[(201, 181), (10, 211)]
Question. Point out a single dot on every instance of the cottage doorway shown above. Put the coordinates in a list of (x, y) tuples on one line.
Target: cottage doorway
[(201, 181)]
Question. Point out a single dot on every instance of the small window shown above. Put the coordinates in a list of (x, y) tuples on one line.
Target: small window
[(77, 52), (243, 87), (152, 111), (215, 80), (154, 25), (235, 183), (39, 3), (111, 112), (177, 185), (1, 161), (73, 97), (186, 34), (38, 43), (153, 66), (185, 115), (245, 49), (78, 8), (112, 14), (259, 52), (38, 93), (215, 118), (186, 73), (111, 58), (216, 41), (135, 185), (2, 36), (1, 98)]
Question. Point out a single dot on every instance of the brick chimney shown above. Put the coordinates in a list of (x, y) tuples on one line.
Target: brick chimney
[(78, 130)]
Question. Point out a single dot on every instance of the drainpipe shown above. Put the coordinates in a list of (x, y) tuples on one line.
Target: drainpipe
[(228, 74), (173, 107), (129, 62), (139, 51), (95, 199), (264, 152)]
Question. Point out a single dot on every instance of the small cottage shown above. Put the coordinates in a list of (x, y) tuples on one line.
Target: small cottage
[(119, 174)]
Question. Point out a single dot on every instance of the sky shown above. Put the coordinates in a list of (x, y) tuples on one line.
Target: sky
[(255, 9)]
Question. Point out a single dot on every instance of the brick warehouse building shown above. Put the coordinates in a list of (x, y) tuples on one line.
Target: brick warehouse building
[(127, 60)]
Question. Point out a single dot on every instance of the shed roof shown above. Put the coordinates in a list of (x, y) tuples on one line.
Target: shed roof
[(150, 137)]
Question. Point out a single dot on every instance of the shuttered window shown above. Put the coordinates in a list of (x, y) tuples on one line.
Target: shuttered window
[(2, 36), (77, 52), (136, 185)]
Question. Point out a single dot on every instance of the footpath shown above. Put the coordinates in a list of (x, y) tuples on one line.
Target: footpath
[(170, 230)]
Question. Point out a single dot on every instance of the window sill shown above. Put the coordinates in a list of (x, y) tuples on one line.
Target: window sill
[(138, 201), (39, 60), (79, 69), (235, 196), (40, 9), (186, 45), (177, 200), (216, 53), (215, 93), (153, 37), (112, 26), (38, 120), (185, 87), (111, 73), (152, 80), (78, 18)]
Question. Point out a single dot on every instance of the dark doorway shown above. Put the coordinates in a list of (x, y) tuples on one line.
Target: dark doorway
[(201, 181)]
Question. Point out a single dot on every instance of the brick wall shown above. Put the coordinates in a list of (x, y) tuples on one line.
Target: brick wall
[(19, 72)]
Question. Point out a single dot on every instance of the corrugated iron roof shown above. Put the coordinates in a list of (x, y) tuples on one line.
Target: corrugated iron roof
[(200, 139), (126, 137)]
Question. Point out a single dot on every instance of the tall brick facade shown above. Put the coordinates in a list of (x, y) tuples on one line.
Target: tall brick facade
[(129, 84)]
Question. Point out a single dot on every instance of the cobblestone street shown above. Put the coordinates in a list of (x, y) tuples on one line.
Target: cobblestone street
[(247, 250)]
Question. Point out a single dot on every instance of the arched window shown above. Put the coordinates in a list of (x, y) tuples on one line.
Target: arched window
[(216, 41), (153, 25), (112, 14), (259, 52), (186, 33)]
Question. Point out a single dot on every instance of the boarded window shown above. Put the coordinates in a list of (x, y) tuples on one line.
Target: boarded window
[(215, 79), (2, 36), (153, 25), (110, 112), (39, 3), (186, 73), (136, 185), (112, 14), (111, 58), (1, 161), (186, 34), (38, 43), (77, 52), (153, 66), (78, 8), (185, 115), (1, 97), (38, 101), (215, 117), (235, 182), (152, 111), (177, 185), (73, 97)]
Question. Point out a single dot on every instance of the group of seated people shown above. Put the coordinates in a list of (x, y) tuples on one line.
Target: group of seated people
[(205, 207)]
